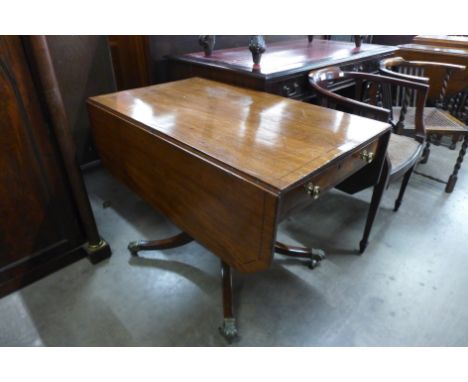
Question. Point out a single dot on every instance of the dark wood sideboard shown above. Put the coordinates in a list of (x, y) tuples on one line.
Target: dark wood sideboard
[(46, 221), (284, 66)]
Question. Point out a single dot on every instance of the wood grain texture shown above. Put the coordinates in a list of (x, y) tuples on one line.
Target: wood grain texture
[(284, 66), (163, 46), (216, 207), (83, 68), (291, 56), (131, 61), (217, 160), (58, 118), (38, 223), (442, 40), (273, 140), (328, 178)]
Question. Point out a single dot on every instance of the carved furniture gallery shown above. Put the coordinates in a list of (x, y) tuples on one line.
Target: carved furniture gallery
[(227, 164)]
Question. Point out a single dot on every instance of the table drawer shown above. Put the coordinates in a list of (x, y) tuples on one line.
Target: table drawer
[(312, 188), (368, 66), (294, 87)]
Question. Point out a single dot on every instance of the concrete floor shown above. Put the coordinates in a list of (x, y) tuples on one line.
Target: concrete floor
[(410, 288)]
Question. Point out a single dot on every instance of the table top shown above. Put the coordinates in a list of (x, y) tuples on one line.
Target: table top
[(271, 139), (443, 40), (287, 57), (435, 49)]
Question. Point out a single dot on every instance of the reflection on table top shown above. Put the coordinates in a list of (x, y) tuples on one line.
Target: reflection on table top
[(273, 139), (435, 49), (443, 40), (287, 56)]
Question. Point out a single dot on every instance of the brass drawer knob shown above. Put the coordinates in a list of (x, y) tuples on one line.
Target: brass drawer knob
[(313, 191), (367, 156)]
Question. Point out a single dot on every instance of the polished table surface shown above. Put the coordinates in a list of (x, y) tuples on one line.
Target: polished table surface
[(224, 163), (274, 140), (291, 56), (435, 49), (442, 40), (283, 67)]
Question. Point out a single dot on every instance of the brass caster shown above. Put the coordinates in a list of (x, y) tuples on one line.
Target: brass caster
[(134, 247), (228, 330), (98, 252), (316, 257), (314, 264)]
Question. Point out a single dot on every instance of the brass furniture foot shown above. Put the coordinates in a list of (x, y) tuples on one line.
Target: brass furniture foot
[(150, 245), (98, 252), (228, 329), (315, 255)]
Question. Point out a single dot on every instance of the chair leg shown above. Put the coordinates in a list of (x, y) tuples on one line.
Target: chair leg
[(374, 206), (404, 183), (453, 178), (455, 139), (426, 152)]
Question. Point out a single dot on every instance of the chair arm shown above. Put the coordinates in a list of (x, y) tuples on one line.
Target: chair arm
[(394, 61), (380, 113), (422, 92)]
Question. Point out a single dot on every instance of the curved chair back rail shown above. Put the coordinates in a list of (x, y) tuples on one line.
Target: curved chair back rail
[(416, 71), (321, 79), (374, 100)]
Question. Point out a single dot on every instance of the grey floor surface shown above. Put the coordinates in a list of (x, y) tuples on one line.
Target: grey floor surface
[(410, 288)]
